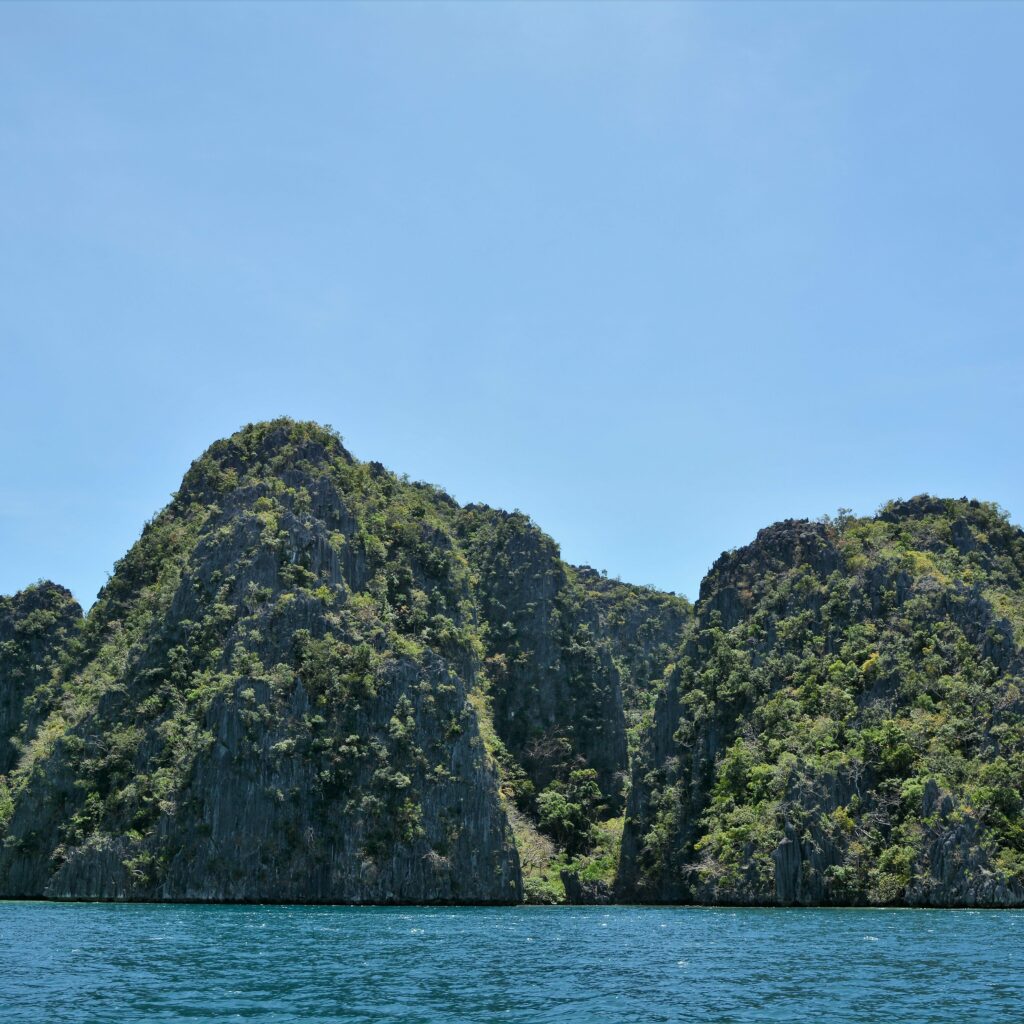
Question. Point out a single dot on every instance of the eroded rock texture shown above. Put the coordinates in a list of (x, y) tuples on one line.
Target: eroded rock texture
[(284, 693), (313, 680), (845, 723)]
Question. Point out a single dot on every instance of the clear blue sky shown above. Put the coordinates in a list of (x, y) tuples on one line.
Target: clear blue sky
[(657, 275)]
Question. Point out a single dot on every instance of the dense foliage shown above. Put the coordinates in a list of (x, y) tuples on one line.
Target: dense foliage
[(845, 723), (313, 679), (38, 627), (573, 661), (301, 653)]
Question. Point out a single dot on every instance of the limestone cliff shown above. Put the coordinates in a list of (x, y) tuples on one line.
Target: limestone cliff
[(273, 701), (313, 680), (37, 627), (845, 724), (284, 693)]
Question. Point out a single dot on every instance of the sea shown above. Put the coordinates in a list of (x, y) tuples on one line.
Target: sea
[(85, 963)]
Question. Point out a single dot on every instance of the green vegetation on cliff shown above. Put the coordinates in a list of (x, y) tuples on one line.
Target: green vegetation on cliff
[(573, 661), (284, 692), (311, 679), (38, 628), (845, 723)]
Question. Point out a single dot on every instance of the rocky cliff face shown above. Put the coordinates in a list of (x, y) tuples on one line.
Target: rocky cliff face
[(572, 654), (574, 661), (312, 680), (844, 724), (274, 701), (37, 627), (285, 690)]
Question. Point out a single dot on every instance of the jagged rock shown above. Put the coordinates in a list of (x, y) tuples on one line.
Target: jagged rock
[(836, 671), (283, 692), (312, 680), (585, 892), (37, 626), (554, 634)]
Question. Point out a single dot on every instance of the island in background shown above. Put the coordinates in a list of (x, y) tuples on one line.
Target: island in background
[(312, 680)]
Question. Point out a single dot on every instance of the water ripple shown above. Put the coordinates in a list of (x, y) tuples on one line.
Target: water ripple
[(99, 964)]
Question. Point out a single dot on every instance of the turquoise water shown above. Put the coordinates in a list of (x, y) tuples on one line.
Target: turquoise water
[(132, 964)]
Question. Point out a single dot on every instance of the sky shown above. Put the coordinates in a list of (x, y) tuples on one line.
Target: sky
[(657, 275)]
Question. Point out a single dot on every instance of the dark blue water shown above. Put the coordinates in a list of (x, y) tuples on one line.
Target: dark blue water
[(129, 964)]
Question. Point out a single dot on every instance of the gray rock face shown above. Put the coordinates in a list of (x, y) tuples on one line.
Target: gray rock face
[(586, 893), (311, 680), (556, 694), (258, 822), (272, 703), (284, 689), (957, 870), (735, 581), (36, 627), (573, 654), (830, 678)]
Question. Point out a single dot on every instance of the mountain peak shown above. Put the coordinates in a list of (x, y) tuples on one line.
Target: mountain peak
[(266, 448)]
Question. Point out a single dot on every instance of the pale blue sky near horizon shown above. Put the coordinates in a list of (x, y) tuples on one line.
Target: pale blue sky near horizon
[(657, 275)]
